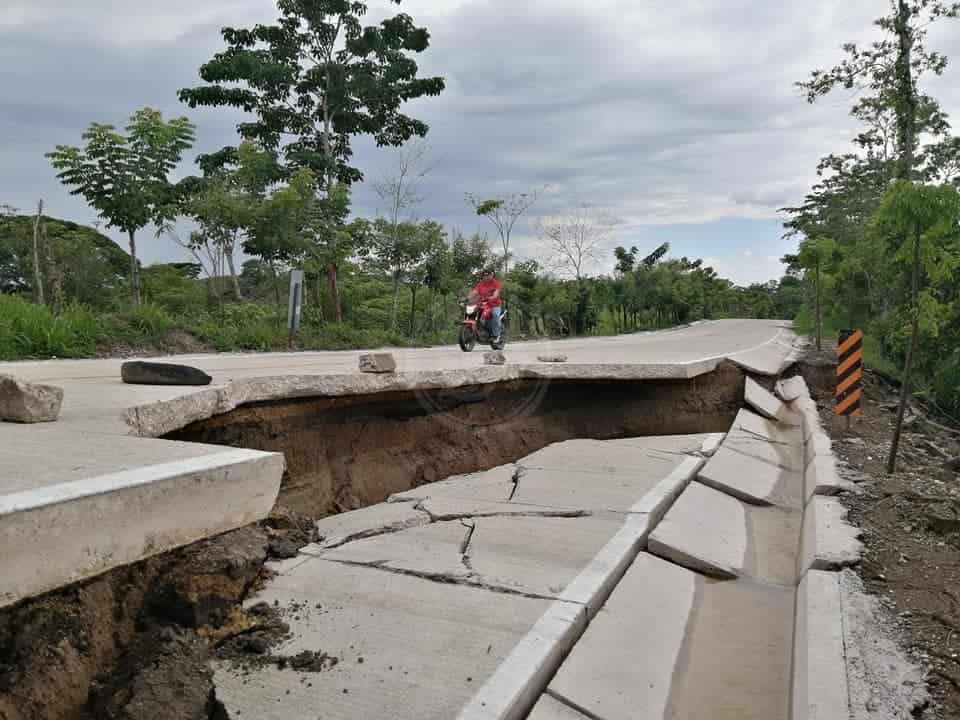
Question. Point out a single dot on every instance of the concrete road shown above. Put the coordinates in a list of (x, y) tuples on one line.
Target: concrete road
[(90, 464)]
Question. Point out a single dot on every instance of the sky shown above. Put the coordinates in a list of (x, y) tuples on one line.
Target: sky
[(679, 119)]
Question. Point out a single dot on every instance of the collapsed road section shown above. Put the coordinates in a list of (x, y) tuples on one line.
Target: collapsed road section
[(349, 441)]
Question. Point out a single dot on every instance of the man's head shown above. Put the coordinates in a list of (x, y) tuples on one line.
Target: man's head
[(486, 274)]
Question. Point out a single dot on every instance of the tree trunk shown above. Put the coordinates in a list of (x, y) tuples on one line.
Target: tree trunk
[(134, 271), (395, 300), (413, 310), (908, 365), (37, 275), (319, 296), (334, 293), (819, 312), (228, 252), (906, 94), (56, 274)]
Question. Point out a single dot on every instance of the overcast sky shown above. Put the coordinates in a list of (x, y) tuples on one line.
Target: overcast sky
[(679, 118)]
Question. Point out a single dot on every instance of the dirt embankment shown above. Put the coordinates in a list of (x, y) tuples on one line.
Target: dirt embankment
[(346, 453), (911, 525), (134, 643)]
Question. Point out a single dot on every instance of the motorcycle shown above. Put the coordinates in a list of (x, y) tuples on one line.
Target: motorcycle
[(475, 326)]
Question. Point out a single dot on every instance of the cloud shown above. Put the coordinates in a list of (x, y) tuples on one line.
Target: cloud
[(666, 114)]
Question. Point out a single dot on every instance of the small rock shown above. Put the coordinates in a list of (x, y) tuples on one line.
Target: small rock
[(552, 358), (377, 363), (494, 358), (153, 373), (27, 403), (284, 549)]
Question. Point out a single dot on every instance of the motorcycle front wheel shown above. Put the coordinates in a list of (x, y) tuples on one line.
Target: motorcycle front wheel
[(467, 338)]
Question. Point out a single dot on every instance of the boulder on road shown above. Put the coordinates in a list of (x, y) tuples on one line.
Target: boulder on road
[(27, 403), (494, 358), (378, 363), (552, 358), (154, 373)]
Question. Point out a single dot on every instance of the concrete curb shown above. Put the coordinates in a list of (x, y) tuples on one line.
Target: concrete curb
[(148, 511), (520, 680)]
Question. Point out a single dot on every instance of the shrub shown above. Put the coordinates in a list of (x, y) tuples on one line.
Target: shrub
[(28, 330)]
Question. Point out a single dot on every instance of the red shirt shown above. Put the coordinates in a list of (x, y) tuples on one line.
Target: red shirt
[(486, 288)]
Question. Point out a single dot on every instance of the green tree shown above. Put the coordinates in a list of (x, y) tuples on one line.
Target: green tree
[(815, 254), (314, 80), (125, 177), (927, 216)]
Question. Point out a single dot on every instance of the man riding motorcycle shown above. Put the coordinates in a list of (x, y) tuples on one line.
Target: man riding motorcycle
[(489, 291)]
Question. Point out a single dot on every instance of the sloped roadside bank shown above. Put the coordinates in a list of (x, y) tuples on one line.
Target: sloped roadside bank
[(911, 532)]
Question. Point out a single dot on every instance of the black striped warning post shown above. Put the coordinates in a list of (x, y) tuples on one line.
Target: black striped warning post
[(850, 373)]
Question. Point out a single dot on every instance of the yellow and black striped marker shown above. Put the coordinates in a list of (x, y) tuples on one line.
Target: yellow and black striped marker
[(850, 373)]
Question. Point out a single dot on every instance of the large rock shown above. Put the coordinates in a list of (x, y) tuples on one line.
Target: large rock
[(552, 358), (26, 403), (153, 373), (378, 363), (494, 358)]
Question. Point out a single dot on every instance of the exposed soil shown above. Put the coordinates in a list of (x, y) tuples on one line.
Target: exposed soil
[(132, 644), (911, 526), (347, 453)]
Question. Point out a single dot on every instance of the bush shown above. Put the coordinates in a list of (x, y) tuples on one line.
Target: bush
[(32, 331)]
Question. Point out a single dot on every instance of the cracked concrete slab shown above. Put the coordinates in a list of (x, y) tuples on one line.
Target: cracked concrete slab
[(823, 478), (768, 405), (828, 541), (336, 530), (532, 555), (407, 647), (752, 479), (615, 456), (792, 389), (714, 533), (753, 424), (705, 650), (786, 455), (549, 708), (486, 485)]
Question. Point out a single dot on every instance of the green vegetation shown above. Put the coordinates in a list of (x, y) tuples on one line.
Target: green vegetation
[(312, 83), (880, 232)]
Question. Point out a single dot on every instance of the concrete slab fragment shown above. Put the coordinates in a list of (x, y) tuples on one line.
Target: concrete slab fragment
[(490, 486), (408, 648), (549, 708), (55, 535), (753, 480), (714, 533), (613, 456), (765, 403), (783, 454), (819, 667), (828, 541), (378, 519), (673, 644), (533, 555), (705, 531), (753, 424), (623, 666), (822, 477), (792, 389), (711, 444)]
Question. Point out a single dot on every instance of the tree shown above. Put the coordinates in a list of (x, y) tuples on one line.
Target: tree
[(37, 275), (575, 238), (125, 177), (626, 259), (399, 191), (504, 211), (927, 216), (314, 80), (814, 254)]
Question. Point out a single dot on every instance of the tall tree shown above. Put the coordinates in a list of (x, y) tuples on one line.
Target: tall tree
[(399, 191), (125, 177), (314, 80), (504, 211), (927, 217), (814, 254), (573, 239)]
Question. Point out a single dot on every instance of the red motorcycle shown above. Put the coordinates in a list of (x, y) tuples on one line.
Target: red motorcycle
[(476, 326)]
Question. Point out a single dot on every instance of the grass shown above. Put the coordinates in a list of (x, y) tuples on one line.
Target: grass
[(32, 331)]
